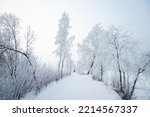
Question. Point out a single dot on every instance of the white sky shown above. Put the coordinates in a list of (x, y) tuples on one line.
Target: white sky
[(43, 16)]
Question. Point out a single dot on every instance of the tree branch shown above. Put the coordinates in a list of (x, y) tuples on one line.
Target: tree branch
[(12, 49)]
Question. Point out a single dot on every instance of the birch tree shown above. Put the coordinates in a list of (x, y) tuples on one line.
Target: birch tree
[(93, 51), (63, 43)]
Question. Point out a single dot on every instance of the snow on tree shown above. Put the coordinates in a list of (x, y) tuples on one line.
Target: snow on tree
[(114, 51), (63, 43), (20, 72), (126, 60), (93, 52), (117, 44), (16, 67), (30, 38)]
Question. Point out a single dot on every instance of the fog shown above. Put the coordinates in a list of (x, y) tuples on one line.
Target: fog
[(43, 17)]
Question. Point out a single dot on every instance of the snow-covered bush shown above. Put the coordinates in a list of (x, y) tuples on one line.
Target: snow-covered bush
[(45, 75)]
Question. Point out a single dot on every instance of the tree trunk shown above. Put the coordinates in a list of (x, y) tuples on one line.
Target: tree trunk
[(119, 70), (134, 84), (62, 66), (102, 72), (120, 77), (91, 65), (59, 66), (70, 67), (124, 82)]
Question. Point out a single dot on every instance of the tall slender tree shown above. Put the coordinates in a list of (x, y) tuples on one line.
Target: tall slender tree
[(63, 43)]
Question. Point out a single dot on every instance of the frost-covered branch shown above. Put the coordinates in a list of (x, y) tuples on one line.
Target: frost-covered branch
[(12, 49)]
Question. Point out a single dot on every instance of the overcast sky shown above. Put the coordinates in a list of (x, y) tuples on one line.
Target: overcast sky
[(43, 16)]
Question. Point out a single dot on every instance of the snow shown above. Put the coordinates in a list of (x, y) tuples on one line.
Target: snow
[(141, 94), (75, 87)]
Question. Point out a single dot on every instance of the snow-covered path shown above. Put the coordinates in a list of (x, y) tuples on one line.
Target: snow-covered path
[(75, 87)]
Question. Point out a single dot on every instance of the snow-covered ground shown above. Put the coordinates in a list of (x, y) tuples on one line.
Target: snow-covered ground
[(75, 87)]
